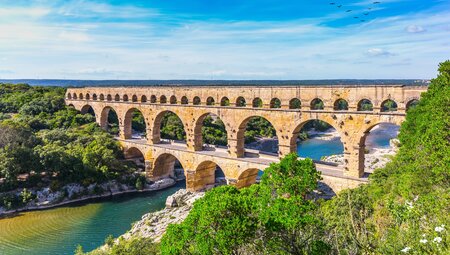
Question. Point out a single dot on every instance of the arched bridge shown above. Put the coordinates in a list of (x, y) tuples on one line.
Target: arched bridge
[(352, 110)]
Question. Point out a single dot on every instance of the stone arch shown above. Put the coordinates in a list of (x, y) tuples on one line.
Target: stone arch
[(102, 97), (94, 96), (162, 99), (293, 139), (80, 96), (134, 98), (88, 96), (69, 96), (198, 128), (247, 178), (340, 105), (317, 104), (128, 122), (205, 175), (109, 97), (240, 102), (135, 155), (156, 126), (388, 105), (143, 99), (184, 100), (75, 96), (164, 166), (240, 136), (275, 103), (411, 103), (125, 98), (365, 105), (117, 97), (152, 99), (104, 124), (295, 103), (173, 99), (224, 101), (71, 105), (210, 101), (87, 109), (257, 102), (196, 100)]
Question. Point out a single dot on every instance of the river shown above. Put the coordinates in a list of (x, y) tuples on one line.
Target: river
[(58, 231)]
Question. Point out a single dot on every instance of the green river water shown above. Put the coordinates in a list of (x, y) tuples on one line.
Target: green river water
[(59, 230)]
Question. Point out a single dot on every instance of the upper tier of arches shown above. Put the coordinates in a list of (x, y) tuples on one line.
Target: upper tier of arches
[(294, 103)]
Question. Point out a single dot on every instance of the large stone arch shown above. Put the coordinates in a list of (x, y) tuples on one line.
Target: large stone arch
[(239, 149), (204, 175), (163, 166), (85, 109), (198, 124), (128, 119), (104, 116), (155, 136), (247, 178)]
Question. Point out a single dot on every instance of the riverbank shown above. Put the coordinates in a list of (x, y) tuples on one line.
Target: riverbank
[(74, 193)]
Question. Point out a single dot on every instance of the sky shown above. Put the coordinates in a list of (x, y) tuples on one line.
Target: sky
[(223, 39)]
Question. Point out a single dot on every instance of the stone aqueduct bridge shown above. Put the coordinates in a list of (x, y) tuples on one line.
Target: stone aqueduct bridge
[(235, 106)]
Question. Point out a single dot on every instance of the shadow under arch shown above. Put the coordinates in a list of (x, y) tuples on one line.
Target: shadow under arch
[(327, 140), (247, 177), (206, 123), (257, 126), (160, 120), (164, 166), (207, 175), (134, 124)]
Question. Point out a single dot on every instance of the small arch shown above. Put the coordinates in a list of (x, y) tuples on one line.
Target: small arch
[(275, 103), (257, 103), (224, 101), (88, 97), (75, 96), (173, 100), (94, 96), (295, 103), (240, 102), (162, 99), (102, 97), (134, 98), (365, 105), (125, 98), (153, 99), (196, 101), (117, 97), (412, 103), (184, 100), (389, 105), (69, 96), (210, 101), (109, 97), (143, 99), (317, 104), (80, 96), (340, 105)]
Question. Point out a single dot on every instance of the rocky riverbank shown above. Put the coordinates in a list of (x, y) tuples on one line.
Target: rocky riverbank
[(45, 198)]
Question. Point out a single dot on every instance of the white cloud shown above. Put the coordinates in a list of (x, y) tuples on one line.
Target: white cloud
[(414, 29), (375, 52), (23, 12), (73, 36)]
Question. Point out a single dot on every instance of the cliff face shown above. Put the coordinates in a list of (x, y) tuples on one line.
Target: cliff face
[(154, 225)]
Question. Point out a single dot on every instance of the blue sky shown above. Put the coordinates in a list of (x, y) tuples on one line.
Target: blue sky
[(226, 39)]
